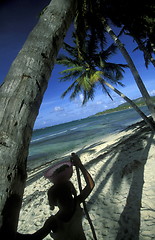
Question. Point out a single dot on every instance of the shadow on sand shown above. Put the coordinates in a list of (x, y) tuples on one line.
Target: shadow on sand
[(129, 220), (131, 168)]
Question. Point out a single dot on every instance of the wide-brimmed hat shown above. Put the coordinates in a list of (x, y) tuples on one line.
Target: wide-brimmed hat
[(59, 172)]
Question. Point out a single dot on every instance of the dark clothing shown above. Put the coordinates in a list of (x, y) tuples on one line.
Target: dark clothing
[(59, 227), (71, 229)]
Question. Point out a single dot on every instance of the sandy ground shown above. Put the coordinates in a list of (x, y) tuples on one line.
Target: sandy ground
[(122, 204)]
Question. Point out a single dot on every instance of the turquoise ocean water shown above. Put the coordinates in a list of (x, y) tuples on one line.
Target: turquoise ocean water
[(54, 142)]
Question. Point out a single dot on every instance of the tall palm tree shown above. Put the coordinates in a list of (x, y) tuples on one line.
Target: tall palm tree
[(133, 69), (96, 15), (20, 98), (88, 71)]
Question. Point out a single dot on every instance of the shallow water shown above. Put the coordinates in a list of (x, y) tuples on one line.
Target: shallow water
[(54, 142)]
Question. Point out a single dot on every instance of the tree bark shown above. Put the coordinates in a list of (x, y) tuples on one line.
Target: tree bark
[(20, 96), (133, 69), (137, 109)]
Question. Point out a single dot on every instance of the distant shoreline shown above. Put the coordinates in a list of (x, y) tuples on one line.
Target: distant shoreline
[(112, 110), (117, 109), (125, 106)]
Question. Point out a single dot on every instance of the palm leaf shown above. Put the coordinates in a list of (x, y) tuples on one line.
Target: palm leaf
[(66, 61), (84, 81), (71, 50), (72, 70), (69, 89), (76, 91), (69, 76), (121, 84), (111, 50), (105, 89), (87, 68), (88, 95), (95, 76)]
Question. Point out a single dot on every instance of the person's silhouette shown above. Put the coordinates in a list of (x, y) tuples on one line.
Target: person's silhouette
[(67, 222)]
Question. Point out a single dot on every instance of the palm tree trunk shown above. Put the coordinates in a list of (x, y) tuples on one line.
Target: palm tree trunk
[(20, 96), (133, 69), (137, 109)]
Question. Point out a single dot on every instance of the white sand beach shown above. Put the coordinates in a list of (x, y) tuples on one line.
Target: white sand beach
[(122, 204)]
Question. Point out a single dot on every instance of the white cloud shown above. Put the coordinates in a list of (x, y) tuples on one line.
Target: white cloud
[(58, 109), (152, 92), (46, 103), (122, 101), (99, 102), (81, 97)]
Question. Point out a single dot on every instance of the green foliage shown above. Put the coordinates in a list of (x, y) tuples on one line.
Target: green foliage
[(88, 69), (136, 18), (88, 25), (139, 102)]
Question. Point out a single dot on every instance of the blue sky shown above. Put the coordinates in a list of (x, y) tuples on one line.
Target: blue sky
[(17, 19)]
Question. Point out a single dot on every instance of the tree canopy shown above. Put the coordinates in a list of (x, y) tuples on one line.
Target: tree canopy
[(135, 18), (87, 70)]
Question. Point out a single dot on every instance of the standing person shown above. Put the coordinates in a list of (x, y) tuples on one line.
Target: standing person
[(68, 220), (66, 224)]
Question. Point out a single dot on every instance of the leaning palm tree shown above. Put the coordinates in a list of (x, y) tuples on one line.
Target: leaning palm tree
[(133, 69), (89, 71), (20, 98), (95, 16)]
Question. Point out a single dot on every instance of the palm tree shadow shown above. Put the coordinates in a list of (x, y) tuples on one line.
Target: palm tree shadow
[(132, 170), (129, 221)]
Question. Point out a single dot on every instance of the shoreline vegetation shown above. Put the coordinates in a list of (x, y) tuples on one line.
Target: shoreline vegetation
[(139, 102), (121, 205), (124, 106)]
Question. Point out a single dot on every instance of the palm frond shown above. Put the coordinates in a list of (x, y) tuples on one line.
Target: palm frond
[(110, 51), (84, 81), (69, 76), (88, 66), (66, 61), (112, 71), (88, 21), (73, 69), (91, 93), (70, 49), (73, 51), (105, 89), (95, 76), (92, 44), (88, 95), (69, 89), (121, 84), (75, 92)]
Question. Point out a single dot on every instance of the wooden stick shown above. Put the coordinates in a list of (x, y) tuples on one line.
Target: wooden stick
[(84, 204)]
